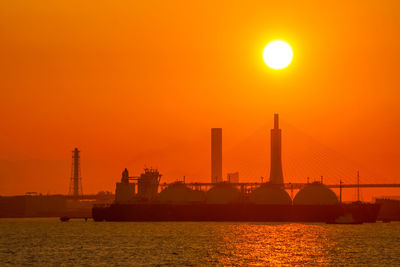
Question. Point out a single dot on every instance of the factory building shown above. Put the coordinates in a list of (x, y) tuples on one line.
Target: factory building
[(33, 206)]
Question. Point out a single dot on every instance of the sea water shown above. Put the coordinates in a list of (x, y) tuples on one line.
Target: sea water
[(49, 242)]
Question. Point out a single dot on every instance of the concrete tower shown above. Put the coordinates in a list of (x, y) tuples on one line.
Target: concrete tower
[(216, 155), (276, 174), (75, 187)]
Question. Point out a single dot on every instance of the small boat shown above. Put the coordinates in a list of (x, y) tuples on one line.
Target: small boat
[(67, 218), (346, 219), (64, 219)]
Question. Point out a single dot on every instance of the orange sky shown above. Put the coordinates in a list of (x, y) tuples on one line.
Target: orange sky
[(135, 84)]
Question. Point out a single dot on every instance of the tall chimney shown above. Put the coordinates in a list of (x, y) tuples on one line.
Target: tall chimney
[(276, 173), (216, 155)]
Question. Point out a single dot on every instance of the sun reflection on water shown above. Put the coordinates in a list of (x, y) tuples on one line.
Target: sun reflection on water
[(273, 244), (49, 242)]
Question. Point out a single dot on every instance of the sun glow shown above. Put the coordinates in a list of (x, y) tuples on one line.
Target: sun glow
[(277, 55)]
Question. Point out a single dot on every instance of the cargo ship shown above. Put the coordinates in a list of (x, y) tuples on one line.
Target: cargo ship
[(234, 212), (225, 202), (230, 200)]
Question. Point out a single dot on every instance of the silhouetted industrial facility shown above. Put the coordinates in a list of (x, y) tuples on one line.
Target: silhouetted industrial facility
[(228, 200), (138, 198)]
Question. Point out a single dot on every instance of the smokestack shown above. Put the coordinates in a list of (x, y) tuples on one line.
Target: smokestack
[(216, 155), (276, 173), (276, 121)]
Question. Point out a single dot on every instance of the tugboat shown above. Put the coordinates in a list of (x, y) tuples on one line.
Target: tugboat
[(64, 219), (346, 219)]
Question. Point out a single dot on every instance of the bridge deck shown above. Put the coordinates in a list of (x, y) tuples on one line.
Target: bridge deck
[(291, 186)]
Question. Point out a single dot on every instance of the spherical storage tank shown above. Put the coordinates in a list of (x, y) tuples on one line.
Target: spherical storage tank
[(270, 195), (315, 194), (178, 192), (223, 193)]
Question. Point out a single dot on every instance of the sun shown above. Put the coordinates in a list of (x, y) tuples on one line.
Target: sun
[(277, 55)]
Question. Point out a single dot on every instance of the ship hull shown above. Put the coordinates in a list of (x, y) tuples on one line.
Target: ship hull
[(233, 212)]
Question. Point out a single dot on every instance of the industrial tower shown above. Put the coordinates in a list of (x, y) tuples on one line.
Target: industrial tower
[(276, 174), (75, 186), (216, 155)]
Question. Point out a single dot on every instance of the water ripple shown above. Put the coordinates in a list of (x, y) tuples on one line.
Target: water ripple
[(48, 242)]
